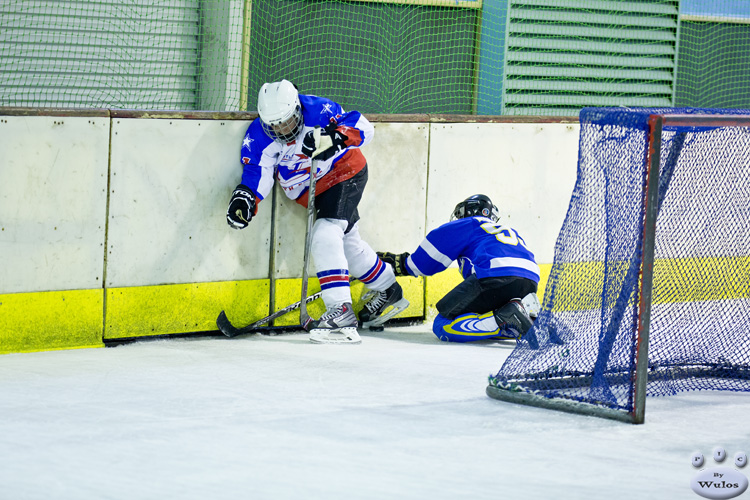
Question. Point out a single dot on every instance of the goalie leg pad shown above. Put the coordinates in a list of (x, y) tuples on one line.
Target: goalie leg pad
[(468, 328)]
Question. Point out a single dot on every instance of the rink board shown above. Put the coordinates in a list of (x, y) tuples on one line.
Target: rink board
[(139, 229), (171, 181), (44, 321), (527, 169), (53, 200), (170, 309)]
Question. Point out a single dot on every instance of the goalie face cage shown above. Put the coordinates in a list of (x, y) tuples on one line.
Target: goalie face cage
[(649, 292)]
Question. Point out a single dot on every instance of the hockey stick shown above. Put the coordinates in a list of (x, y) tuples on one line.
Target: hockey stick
[(228, 329), (322, 142), (223, 322), (304, 317)]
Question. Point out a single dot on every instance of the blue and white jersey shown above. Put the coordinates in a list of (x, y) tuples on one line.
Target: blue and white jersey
[(263, 158), (480, 246)]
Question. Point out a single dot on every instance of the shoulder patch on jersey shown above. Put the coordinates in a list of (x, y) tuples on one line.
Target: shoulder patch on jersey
[(245, 160)]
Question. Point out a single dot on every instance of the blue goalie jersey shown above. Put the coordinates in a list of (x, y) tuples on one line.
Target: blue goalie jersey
[(480, 246)]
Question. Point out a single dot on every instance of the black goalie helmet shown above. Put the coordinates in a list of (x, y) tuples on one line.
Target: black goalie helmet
[(477, 205)]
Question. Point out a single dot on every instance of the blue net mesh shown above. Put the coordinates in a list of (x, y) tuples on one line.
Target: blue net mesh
[(582, 346)]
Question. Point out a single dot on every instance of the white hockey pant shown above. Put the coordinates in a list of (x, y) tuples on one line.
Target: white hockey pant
[(333, 250)]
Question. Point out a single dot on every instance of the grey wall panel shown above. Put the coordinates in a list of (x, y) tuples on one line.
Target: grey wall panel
[(53, 201), (528, 170), (171, 181)]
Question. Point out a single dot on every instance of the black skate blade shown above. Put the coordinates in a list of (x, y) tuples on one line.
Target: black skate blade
[(227, 328)]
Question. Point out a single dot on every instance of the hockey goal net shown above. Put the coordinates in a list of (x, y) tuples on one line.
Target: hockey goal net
[(649, 292)]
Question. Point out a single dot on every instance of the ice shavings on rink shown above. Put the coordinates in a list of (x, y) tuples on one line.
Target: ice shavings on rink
[(401, 416)]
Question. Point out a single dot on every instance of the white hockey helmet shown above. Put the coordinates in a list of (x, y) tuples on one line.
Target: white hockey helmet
[(280, 111)]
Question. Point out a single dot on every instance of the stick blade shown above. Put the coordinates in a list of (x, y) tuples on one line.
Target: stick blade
[(227, 328)]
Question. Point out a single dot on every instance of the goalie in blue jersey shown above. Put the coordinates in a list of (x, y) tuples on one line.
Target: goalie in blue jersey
[(497, 298), (292, 134)]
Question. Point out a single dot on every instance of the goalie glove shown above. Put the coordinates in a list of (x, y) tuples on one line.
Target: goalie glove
[(397, 261), (242, 207)]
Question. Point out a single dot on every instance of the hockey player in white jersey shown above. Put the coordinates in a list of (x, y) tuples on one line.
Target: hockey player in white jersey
[(280, 144), (497, 298)]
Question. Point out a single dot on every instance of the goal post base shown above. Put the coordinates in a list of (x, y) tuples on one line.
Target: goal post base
[(564, 405)]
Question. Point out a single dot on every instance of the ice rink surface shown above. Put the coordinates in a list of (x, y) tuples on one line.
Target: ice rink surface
[(401, 416)]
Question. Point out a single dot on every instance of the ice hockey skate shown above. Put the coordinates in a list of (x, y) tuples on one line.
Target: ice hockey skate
[(382, 306), (513, 320), (338, 325)]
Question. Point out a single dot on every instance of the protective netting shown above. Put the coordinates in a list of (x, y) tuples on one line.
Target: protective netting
[(518, 57), (582, 346), (136, 54), (376, 57)]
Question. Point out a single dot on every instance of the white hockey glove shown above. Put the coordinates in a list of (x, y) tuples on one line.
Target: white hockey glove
[(324, 144), (242, 207)]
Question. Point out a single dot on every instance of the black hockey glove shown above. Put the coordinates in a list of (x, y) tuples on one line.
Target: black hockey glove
[(397, 261), (311, 142), (242, 207)]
